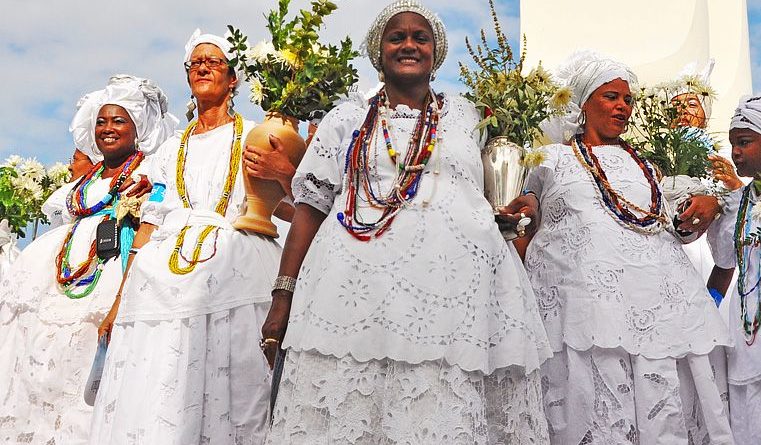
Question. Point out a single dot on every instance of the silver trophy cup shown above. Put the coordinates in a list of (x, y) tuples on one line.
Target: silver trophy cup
[(504, 177)]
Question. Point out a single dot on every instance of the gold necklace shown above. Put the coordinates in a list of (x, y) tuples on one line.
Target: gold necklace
[(221, 207)]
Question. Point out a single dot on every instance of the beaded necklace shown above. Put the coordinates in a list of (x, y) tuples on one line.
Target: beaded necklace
[(359, 167), (221, 207), (745, 242), (624, 210), (87, 273)]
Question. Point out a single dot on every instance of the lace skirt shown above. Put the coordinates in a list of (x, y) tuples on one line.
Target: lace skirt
[(195, 380), (607, 396), (325, 400)]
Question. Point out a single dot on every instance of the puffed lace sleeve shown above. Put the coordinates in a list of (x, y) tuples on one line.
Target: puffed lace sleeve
[(720, 234), (539, 176), (54, 207), (319, 177), (159, 204)]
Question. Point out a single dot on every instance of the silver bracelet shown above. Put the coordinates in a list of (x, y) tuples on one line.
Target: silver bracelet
[(284, 282)]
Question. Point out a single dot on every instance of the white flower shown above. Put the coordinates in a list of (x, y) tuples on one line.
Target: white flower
[(257, 91), (59, 173), (25, 184), (13, 160), (260, 52), (32, 169), (755, 214)]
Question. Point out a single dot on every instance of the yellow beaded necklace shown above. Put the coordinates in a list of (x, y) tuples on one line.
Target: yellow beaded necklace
[(221, 207)]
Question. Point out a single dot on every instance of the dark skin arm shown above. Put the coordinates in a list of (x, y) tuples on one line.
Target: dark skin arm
[(142, 236), (306, 222), (720, 279)]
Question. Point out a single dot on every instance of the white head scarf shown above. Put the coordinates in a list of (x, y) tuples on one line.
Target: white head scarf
[(686, 84), (197, 38), (145, 103), (583, 72), (748, 114)]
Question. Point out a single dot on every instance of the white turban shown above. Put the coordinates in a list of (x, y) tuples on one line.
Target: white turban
[(696, 81), (748, 114), (583, 72), (220, 42), (145, 103)]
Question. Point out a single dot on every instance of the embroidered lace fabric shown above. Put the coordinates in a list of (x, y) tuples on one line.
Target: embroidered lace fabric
[(597, 282), (441, 283), (325, 400)]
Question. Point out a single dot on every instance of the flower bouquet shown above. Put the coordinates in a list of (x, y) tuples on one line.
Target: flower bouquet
[(25, 184), (293, 77), (678, 151), (512, 105)]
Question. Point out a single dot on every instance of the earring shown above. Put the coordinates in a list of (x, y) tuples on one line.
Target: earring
[(191, 107), (137, 145), (381, 76), (433, 76), (231, 104), (583, 118)]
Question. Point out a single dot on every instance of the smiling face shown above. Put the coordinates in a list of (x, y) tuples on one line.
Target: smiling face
[(407, 49), (209, 84), (691, 112), (746, 151), (608, 110), (115, 133)]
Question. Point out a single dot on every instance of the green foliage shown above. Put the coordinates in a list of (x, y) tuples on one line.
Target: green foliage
[(24, 187), (674, 149), (295, 74), (510, 103)]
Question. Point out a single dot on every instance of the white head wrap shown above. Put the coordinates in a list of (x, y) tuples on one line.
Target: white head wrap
[(693, 80), (372, 44), (583, 72), (197, 38), (143, 100), (748, 114)]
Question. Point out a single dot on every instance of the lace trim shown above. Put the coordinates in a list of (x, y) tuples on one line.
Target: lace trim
[(315, 192)]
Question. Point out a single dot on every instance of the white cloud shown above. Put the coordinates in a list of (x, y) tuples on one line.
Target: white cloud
[(54, 52)]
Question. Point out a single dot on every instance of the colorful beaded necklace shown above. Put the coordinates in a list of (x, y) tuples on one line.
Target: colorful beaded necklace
[(745, 242), (88, 271), (624, 210), (221, 207), (409, 171)]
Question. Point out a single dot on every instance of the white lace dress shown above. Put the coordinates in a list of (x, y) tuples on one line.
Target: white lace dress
[(184, 364), (48, 341), (429, 334), (629, 318), (744, 360)]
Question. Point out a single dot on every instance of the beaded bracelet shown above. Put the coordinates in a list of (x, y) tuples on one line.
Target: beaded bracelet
[(284, 282)]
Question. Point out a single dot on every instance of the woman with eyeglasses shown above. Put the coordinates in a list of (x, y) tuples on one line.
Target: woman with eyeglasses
[(62, 285), (183, 363)]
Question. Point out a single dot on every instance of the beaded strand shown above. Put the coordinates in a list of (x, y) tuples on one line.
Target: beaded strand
[(745, 242)]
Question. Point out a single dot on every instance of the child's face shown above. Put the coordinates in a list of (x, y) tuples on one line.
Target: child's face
[(746, 151)]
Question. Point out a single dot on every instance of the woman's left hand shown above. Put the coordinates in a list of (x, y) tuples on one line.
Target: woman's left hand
[(265, 164), (700, 213), (526, 206), (137, 188)]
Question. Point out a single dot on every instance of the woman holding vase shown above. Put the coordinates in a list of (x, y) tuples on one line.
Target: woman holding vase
[(411, 321), (183, 365), (628, 317)]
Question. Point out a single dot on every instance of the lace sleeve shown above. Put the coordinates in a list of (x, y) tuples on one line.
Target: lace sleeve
[(538, 177), (720, 234), (319, 176), (154, 210)]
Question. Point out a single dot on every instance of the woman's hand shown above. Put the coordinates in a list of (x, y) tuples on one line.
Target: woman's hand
[(107, 325), (724, 171), (700, 213), (526, 206), (265, 164), (275, 325), (137, 188)]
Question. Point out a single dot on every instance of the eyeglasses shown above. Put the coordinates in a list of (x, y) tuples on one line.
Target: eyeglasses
[(212, 63)]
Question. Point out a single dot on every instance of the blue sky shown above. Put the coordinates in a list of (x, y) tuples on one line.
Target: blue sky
[(54, 53)]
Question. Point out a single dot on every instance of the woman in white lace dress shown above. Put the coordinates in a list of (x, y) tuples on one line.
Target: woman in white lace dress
[(183, 364), (412, 321), (629, 319), (58, 290)]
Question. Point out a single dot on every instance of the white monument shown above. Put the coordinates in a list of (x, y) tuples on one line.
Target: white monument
[(655, 38)]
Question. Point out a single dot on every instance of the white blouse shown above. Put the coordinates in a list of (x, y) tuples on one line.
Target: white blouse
[(602, 284), (441, 283)]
